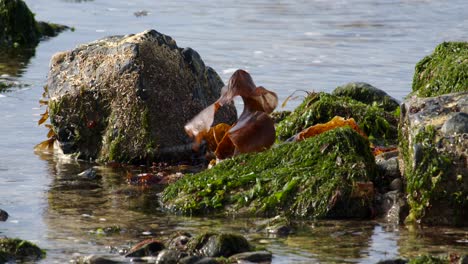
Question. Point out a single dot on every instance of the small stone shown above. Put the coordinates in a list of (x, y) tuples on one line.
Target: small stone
[(396, 185), (168, 256), (219, 245), (3, 215), (255, 256), (149, 247), (458, 123), (189, 259), (89, 174)]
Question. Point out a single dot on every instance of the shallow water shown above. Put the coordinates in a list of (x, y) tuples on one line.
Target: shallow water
[(286, 46)]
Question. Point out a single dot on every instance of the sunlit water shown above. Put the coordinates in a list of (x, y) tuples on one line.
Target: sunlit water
[(286, 46)]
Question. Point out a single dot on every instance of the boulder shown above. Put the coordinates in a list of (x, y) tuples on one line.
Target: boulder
[(18, 28), (127, 98), (368, 94), (444, 71), (326, 176), (433, 158), (380, 125)]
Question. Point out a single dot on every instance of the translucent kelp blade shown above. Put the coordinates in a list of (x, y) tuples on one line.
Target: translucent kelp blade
[(253, 133), (337, 121), (201, 122), (214, 136), (225, 148), (241, 84)]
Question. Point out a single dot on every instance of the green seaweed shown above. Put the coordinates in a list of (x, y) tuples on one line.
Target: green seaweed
[(299, 179), (444, 71), (18, 249), (368, 94), (378, 124), (427, 178)]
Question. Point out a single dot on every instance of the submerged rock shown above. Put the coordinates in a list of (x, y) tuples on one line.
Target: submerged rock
[(433, 158), (13, 249), (444, 71), (368, 94), (327, 176), (18, 28), (127, 98), (378, 124)]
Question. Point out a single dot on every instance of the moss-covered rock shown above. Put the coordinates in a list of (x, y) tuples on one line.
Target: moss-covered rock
[(19, 28), (433, 159), (127, 98), (378, 124), (12, 249), (368, 94), (314, 178), (444, 71)]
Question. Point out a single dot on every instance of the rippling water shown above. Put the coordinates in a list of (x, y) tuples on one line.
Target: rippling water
[(285, 45)]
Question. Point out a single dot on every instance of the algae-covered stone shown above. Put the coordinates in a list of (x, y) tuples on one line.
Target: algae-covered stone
[(127, 98), (426, 259), (18, 26), (368, 94), (12, 249), (434, 159), (317, 177), (444, 71), (219, 245), (378, 124)]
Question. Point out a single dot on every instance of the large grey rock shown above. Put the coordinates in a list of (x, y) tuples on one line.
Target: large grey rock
[(127, 98), (434, 158)]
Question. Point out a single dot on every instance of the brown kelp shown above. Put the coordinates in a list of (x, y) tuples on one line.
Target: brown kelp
[(253, 132)]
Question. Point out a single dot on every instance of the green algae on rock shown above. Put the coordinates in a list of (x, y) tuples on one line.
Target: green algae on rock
[(434, 159), (12, 249), (444, 71), (18, 27), (378, 124), (368, 94), (314, 178)]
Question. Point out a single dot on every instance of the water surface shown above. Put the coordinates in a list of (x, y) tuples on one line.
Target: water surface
[(286, 46)]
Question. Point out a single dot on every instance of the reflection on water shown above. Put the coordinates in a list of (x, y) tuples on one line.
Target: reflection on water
[(81, 208), (13, 61)]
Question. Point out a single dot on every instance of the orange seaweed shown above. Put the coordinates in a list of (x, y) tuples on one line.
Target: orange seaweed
[(336, 122)]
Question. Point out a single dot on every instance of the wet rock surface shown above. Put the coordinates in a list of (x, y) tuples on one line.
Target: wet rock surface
[(219, 245), (368, 94), (127, 98), (433, 158), (3, 215)]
